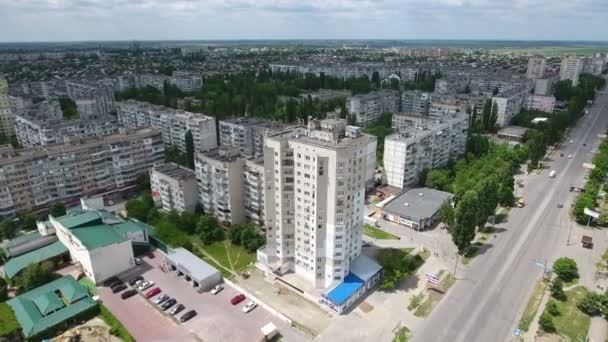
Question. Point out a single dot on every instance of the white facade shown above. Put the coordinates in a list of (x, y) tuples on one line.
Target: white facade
[(508, 104), (415, 101), (536, 67), (544, 86), (172, 123), (315, 192), (368, 108), (173, 187), (541, 103), (422, 143), (253, 197), (571, 69)]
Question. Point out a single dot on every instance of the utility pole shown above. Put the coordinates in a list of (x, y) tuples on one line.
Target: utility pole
[(456, 264)]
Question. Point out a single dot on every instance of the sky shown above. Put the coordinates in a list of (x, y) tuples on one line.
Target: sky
[(77, 20)]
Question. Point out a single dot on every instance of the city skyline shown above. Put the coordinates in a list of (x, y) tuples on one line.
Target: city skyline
[(77, 20)]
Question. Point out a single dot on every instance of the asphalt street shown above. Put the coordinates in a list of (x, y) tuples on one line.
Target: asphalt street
[(486, 302)]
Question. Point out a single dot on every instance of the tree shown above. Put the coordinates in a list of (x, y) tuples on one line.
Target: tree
[(446, 214), (142, 183), (438, 179), (487, 190), (68, 107), (566, 269), (557, 289), (592, 303), (546, 322), (33, 276), (3, 290), (493, 117), (8, 228), (563, 90), (465, 218), (189, 149), (58, 209), (28, 221), (552, 308), (168, 232), (487, 111), (209, 230), (137, 209), (188, 221), (250, 238)]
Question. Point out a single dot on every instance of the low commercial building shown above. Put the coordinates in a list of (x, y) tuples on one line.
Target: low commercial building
[(195, 271), (513, 133), (363, 275), (54, 251), (99, 242), (415, 208), (541, 103), (173, 187), (52, 304)]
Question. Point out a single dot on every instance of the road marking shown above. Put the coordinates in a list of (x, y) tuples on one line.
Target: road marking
[(522, 239)]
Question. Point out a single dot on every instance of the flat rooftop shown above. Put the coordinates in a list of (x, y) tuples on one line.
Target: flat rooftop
[(175, 171), (417, 203)]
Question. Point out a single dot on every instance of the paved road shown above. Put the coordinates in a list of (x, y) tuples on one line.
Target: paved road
[(487, 302)]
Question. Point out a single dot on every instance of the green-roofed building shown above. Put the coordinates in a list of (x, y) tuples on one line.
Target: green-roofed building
[(15, 265), (101, 242), (51, 304)]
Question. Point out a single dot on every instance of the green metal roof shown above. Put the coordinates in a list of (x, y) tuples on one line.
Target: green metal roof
[(34, 309), (97, 236), (15, 265), (80, 218), (128, 227)]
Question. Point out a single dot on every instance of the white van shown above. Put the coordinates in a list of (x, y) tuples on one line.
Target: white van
[(552, 174)]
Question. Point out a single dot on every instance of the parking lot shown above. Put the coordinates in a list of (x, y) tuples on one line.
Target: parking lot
[(217, 319)]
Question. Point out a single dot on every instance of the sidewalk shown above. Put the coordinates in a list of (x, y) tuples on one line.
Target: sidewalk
[(530, 336)]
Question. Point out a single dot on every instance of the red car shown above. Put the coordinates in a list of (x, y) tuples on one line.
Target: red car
[(153, 292), (237, 299)]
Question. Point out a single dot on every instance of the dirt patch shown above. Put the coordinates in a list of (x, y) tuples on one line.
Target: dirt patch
[(366, 307)]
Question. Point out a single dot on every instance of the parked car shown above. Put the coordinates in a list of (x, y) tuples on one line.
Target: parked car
[(128, 294), (237, 299), (250, 306), (116, 284), (217, 289), (153, 292), (111, 281), (366, 244), (166, 305), (119, 288), (138, 261), (160, 299), (177, 309), (135, 281), (145, 285), (188, 315), (560, 205)]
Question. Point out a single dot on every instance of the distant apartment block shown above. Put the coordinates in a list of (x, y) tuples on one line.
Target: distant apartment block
[(509, 103), (172, 123), (422, 142), (595, 65), (367, 108), (544, 86), (248, 134), (6, 117), (314, 200), (536, 67), (173, 187), (540, 103), (450, 106), (91, 99), (571, 69), (220, 178), (37, 177), (347, 70), (185, 81), (415, 101)]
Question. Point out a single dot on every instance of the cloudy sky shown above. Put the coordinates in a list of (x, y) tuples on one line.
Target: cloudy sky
[(63, 20)]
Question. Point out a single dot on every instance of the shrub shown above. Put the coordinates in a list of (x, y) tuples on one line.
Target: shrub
[(591, 304), (552, 308), (546, 322), (557, 289)]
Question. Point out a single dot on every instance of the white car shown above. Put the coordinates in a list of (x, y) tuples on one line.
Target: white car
[(217, 289), (145, 285), (250, 306), (138, 261), (569, 156)]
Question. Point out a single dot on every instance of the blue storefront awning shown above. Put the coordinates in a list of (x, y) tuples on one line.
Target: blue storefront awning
[(340, 294)]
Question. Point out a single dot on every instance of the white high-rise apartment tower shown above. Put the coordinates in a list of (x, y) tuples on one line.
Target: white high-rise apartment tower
[(571, 69), (536, 67), (6, 117), (315, 190)]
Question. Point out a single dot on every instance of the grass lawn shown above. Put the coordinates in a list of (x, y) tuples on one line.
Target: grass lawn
[(232, 257), (88, 283), (432, 296), (378, 234), (8, 322), (572, 322), (532, 306)]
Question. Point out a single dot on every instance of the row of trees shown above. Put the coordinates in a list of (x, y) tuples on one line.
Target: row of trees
[(596, 178), (167, 97)]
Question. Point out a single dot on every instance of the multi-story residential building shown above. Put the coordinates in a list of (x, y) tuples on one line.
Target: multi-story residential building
[(367, 108), (6, 117), (91, 99), (253, 194), (219, 174), (248, 134), (315, 190), (32, 131), (595, 65), (422, 143), (173, 187), (348, 70), (508, 104), (187, 81), (571, 69), (415, 101), (38, 176), (536, 67), (172, 123), (541, 103), (544, 86)]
